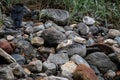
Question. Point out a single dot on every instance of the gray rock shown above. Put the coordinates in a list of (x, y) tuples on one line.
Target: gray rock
[(83, 29), (53, 37), (8, 22), (57, 15), (56, 78), (49, 68), (25, 48), (117, 38), (17, 70), (38, 28), (76, 48), (110, 74), (50, 24), (37, 41), (19, 58), (71, 34), (94, 30), (100, 78), (35, 66), (59, 58), (88, 20), (102, 61), (79, 60), (29, 30), (6, 73)]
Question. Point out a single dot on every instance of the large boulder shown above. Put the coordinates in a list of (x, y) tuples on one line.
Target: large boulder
[(53, 37), (102, 61), (57, 15)]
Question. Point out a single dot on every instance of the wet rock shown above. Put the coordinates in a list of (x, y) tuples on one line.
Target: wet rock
[(38, 27), (37, 41), (56, 78), (49, 68), (19, 58), (79, 60), (6, 46), (53, 37), (59, 58), (88, 20), (113, 33), (76, 48), (84, 72), (102, 61), (17, 70), (10, 37), (57, 15), (6, 73), (68, 68), (83, 29), (46, 50), (35, 66)]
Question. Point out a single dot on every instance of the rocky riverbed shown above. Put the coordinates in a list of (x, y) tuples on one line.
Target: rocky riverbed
[(51, 49)]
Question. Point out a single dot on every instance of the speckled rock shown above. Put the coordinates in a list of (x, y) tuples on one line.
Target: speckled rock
[(68, 68), (37, 41)]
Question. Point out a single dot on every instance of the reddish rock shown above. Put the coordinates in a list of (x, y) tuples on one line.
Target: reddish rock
[(7, 47), (84, 72)]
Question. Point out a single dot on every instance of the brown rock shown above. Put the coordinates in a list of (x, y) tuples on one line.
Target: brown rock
[(7, 47), (84, 72)]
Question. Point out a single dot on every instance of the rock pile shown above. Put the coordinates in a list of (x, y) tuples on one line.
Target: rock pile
[(54, 50)]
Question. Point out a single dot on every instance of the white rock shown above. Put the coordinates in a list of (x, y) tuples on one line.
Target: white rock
[(110, 41), (65, 43), (80, 40), (113, 33), (10, 37), (88, 20), (68, 68)]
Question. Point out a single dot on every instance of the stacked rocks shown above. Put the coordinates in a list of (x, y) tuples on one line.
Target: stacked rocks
[(52, 50)]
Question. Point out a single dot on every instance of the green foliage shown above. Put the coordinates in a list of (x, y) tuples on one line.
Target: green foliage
[(108, 11), (105, 10)]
